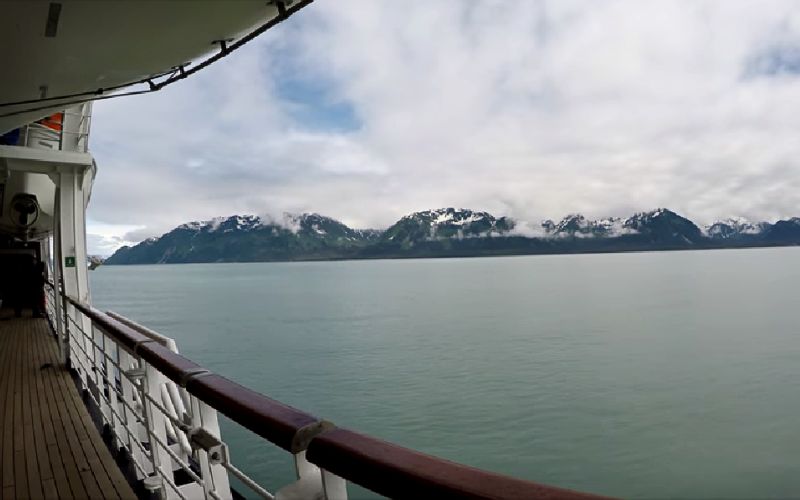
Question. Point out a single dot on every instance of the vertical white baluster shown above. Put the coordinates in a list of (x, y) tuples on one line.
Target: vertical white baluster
[(77, 340), (215, 477), (167, 404), (174, 431), (112, 349), (162, 462), (335, 487), (132, 426), (100, 364), (177, 401), (308, 484)]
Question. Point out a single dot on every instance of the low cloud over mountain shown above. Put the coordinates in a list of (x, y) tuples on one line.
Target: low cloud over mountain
[(441, 233)]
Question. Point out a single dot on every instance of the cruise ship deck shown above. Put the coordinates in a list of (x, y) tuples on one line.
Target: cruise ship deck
[(50, 447), (83, 369)]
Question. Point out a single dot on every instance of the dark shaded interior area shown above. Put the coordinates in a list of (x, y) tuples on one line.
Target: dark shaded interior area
[(22, 277)]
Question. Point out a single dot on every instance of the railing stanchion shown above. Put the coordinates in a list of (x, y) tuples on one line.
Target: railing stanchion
[(99, 376), (215, 477), (111, 384), (154, 422), (309, 481), (63, 342), (58, 307), (334, 487), (78, 337), (132, 425)]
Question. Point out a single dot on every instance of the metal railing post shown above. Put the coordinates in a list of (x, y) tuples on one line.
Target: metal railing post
[(76, 335), (64, 342), (309, 481), (212, 470), (155, 423), (132, 425), (97, 364), (107, 371), (333, 486)]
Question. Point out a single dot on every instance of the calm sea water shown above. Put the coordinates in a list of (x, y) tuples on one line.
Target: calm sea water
[(673, 374)]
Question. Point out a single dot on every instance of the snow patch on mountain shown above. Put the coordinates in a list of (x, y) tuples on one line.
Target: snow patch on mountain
[(614, 226), (226, 224), (194, 225), (733, 227), (578, 226), (215, 223)]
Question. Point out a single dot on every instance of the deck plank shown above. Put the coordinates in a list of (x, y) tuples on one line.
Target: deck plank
[(20, 475), (46, 446), (36, 424), (84, 428), (56, 443), (75, 437), (9, 493), (71, 470), (49, 445), (6, 416), (29, 377)]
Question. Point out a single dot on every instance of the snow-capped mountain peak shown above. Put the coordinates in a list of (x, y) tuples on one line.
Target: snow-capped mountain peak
[(577, 225), (225, 224), (443, 223), (443, 232), (734, 227), (572, 223)]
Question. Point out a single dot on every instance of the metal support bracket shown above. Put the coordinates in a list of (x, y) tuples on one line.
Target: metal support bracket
[(204, 440), (153, 483), (135, 373), (223, 44), (191, 375)]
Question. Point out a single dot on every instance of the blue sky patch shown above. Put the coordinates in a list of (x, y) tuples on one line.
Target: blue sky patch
[(311, 103), (309, 96), (775, 61)]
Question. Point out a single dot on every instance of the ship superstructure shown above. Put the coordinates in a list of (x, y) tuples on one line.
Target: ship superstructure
[(93, 404)]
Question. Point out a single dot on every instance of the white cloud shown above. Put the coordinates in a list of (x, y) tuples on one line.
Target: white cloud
[(103, 239), (531, 109)]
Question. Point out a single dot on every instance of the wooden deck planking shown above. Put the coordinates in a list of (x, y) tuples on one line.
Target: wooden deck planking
[(7, 392), (53, 439), (53, 476), (20, 477), (71, 471), (89, 439), (49, 445), (35, 479)]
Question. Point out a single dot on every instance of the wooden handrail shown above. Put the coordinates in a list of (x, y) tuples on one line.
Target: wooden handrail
[(382, 467), (394, 471), (280, 424)]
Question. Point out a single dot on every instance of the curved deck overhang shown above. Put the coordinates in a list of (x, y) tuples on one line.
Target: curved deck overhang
[(68, 47)]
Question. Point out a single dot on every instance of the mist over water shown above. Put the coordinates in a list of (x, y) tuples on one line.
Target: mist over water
[(665, 374)]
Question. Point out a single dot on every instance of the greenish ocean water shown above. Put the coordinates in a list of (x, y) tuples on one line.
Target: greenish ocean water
[(652, 375)]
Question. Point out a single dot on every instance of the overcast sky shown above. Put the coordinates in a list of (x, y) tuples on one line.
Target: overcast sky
[(368, 110)]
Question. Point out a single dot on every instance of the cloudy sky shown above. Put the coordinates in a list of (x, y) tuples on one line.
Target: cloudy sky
[(369, 110)]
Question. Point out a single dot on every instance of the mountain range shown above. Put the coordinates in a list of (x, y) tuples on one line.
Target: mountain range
[(446, 232)]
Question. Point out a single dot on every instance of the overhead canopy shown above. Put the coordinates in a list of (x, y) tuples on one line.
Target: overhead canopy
[(52, 49)]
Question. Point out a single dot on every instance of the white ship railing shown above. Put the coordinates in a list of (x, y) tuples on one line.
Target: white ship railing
[(159, 410)]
